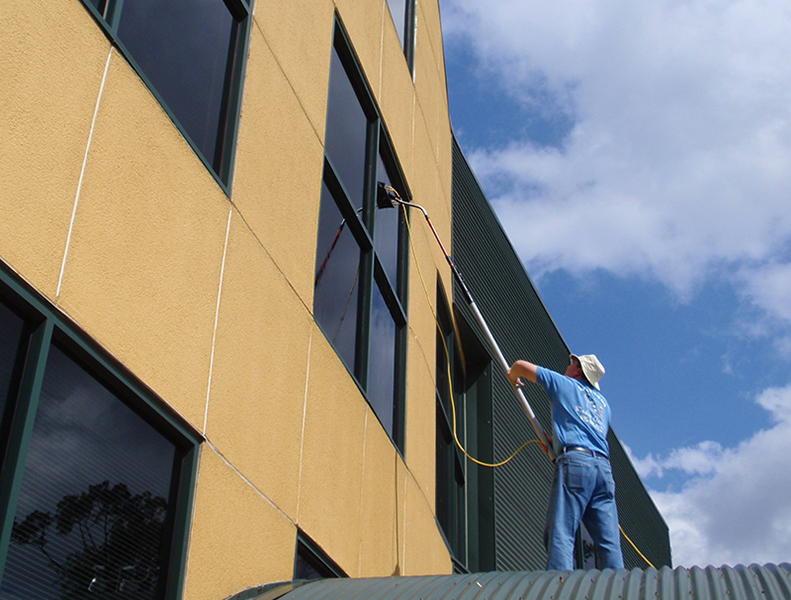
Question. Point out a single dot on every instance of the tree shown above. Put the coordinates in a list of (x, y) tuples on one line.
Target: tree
[(118, 537)]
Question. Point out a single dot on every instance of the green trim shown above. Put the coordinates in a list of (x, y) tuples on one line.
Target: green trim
[(50, 326), (353, 67), (402, 292), (480, 482), (409, 35), (235, 89), (185, 485), (389, 291), (362, 226), (388, 154), (112, 11), (228, 130), (367, 280), (22, 431), (318, 554), (345, 206), (450, 474)]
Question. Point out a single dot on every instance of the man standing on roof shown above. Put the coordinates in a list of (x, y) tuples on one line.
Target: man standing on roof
[(583, 488)]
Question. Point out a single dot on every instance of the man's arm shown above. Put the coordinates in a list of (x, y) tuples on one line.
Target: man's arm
[(522, 368)]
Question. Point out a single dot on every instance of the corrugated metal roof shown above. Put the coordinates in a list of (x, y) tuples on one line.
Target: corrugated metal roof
[(768, 582)]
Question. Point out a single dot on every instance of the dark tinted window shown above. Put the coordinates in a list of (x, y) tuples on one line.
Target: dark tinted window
[(336, 279), (99, 5), (450, 490), (382, 365), (361, 253), (94, 497), (311, 562), (345, 137), (386, 231), (10, 336), (182, 46), (190, 53)]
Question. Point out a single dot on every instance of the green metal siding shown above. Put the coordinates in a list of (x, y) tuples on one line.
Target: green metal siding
[(637, 513), (523, 327), (768, 582), (518, 320)]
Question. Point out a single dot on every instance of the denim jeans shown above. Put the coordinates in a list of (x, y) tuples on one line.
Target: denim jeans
[(583, 490)]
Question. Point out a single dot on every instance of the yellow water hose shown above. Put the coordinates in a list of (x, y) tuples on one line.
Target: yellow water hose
[(450, 386)]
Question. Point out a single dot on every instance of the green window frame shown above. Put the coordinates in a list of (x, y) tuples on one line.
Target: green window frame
[(46, 334), (403, 14), (311, 562), (360, 285), (451, 487), (464, 501), (191, 56)]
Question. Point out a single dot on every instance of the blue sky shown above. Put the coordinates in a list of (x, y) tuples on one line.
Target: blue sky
[(639, 156)]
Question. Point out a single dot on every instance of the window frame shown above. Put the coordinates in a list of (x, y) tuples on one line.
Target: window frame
[(408, 43), (47, 326), (313, 554), (451, 477), (372, 272), (227, 131)]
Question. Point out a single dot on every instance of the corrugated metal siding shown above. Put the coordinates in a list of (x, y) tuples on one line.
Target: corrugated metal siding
[(637, 512), (521, 325), (524, 329), (768, 582)]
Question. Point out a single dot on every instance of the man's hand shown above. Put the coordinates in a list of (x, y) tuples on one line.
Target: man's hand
[(544, 446), (514, 376)]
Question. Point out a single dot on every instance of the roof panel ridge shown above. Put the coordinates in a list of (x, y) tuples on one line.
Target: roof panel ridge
[(773, 581), (547, 585)]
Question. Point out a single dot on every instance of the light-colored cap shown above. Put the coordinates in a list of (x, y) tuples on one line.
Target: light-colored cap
[(591, 367)]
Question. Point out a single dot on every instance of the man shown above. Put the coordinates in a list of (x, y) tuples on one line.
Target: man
[(583, 488)]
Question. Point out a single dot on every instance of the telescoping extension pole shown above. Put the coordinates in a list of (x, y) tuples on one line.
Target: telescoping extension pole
[(387, 197)]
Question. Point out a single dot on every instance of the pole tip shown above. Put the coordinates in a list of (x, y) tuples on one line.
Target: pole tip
[(386, 196)]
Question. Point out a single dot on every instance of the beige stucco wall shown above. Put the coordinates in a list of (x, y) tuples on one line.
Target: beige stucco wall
[(207, 298), (47, 108)]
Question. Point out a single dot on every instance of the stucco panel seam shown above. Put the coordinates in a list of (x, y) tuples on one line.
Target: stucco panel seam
[(82, 172), (318, 134), (216, 320), (362, 493), (274, 262), (247, 481), (304, 417)]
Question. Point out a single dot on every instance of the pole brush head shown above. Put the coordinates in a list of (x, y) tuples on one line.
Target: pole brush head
[(386, 196)]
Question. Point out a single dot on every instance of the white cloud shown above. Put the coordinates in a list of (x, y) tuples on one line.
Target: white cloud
[(768, 287), (734, 507), (678, 165), (677, 168)]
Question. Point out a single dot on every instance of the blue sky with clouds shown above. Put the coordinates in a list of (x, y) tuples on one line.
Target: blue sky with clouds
[(639, 157)]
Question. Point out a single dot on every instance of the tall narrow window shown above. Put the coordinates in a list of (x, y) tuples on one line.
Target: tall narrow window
[(361, 255), (451, 484), (189, 52), (403, 13), (95, 480), (464, 490)]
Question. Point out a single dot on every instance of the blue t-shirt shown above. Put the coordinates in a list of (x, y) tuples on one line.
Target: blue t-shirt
[(580, 414)]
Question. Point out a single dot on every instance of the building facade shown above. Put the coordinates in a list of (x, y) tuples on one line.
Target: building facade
[(219, 358)]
